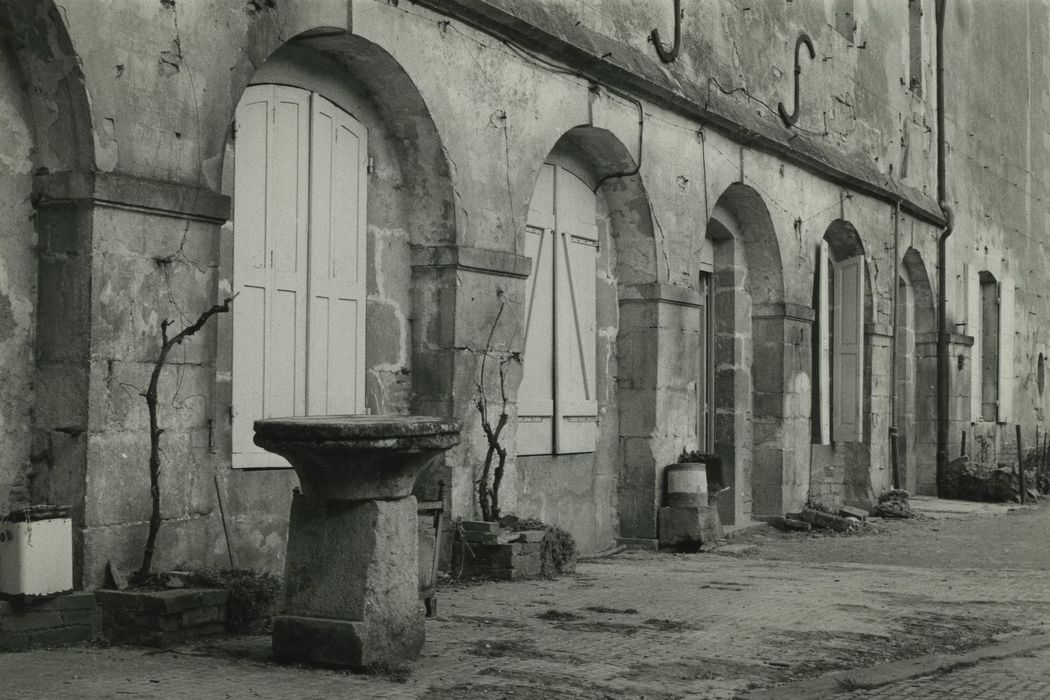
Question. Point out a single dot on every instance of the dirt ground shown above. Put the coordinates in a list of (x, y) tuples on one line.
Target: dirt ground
[(1004, 537), (785, 609)]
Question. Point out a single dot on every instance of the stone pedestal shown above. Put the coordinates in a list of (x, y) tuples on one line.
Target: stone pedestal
[(351, 577)]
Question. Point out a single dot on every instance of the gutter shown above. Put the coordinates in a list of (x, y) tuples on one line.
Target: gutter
[(943, 365)]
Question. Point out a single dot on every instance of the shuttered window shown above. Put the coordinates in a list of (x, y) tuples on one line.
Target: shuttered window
[(299, 249), (839, 349), (848, 378), (557, 408)]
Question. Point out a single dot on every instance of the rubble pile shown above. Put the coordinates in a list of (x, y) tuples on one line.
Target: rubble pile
[(894, 504)]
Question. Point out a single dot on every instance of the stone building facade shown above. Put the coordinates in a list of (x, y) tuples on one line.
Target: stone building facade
[(397, 190)]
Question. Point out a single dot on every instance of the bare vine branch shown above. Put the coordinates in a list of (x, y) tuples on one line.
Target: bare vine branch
[(155, 431), (488, 493)]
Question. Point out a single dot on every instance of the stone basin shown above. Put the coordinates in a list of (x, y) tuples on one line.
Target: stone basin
[(358, 457), (351, 586)]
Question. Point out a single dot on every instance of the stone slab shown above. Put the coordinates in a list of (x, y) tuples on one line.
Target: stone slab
[(828, 521), (478, 526), (851, 512)]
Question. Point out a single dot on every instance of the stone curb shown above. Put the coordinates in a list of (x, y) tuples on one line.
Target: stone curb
[(895, 671)]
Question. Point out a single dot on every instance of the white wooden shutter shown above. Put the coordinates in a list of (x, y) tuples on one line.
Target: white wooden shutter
[(535, 435), (1006, 349), (336, 333), (823, 382), (847, 402), (972, 284), (575, 271), (271, 183)]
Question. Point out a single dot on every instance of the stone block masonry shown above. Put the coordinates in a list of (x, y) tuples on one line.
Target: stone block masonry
[(161, 618), (503, 562), (60, 621)]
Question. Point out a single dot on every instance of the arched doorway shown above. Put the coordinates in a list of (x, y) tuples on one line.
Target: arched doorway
[(747, 321), (916, 374), (589, 234), (345, 183), (840, 468)]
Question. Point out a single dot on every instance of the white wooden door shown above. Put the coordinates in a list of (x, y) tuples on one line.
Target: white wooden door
[(575, 274), (823, 338), (557, 408), (535, 434), (848, 380), (336, 334), (299, 263), (271, 203)]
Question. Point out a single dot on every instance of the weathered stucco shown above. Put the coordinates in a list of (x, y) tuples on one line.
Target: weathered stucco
[(116, 168)]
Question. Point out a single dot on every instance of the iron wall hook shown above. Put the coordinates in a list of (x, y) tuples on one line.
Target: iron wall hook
[(665, 55), (803, 39)]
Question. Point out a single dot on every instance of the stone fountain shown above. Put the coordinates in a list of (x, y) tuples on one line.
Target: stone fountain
[(351, 576)]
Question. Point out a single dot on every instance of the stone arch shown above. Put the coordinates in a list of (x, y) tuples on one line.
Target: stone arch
[(46, 304), (842, 471), (615, 177), (411, 226), (576, 490), (411, 201), (750, 378), (916, 390), (37, 35)]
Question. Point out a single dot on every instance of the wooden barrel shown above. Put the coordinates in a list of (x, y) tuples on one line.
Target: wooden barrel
[(685, 484)]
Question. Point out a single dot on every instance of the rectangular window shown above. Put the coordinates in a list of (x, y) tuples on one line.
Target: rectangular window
[(989, 340), (989, 321), (915, 38)]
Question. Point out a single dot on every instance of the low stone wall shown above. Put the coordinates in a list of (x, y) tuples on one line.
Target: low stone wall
[(59, 621), (161, 618)]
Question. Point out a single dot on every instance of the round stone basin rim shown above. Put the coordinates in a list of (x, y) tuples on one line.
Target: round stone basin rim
[(354, 427)]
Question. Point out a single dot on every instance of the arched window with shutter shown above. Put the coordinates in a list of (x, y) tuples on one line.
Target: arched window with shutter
[(557, 406), (299, 262)]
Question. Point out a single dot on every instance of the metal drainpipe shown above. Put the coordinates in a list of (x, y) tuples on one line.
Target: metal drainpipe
[(943, 365), (894, 431)]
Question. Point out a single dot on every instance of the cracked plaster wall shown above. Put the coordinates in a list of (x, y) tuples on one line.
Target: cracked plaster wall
[(19, 475)]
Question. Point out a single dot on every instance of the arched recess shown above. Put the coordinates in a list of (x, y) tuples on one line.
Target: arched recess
[(844, 341), (916, 340), (45, 303), (578, 488), (409, 225), (750, 326)]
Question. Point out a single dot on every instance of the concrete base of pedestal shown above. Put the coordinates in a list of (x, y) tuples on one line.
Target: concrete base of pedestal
[(346, 643), (351, 588)]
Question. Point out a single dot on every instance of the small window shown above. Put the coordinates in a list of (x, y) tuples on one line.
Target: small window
[(915, 36), (1040, 376)]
